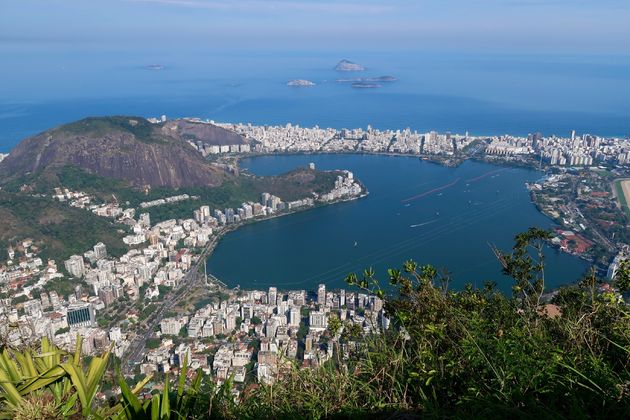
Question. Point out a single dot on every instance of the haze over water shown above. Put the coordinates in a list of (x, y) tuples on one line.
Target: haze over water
[(416, 210), (43, 86)]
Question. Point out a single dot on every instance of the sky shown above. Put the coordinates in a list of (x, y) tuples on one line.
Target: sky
[(503, 26)]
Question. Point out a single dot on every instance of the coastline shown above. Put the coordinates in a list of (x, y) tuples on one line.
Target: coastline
[(191, 277), (218, 236), (451, 162)]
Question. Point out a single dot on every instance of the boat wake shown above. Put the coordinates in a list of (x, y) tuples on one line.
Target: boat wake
[(434, 190), (423, 224), (490, 174)]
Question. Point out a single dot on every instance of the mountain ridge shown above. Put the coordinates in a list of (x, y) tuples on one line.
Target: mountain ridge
[(126, 148)]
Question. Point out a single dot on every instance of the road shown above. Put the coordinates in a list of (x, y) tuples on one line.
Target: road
[(135, 351)]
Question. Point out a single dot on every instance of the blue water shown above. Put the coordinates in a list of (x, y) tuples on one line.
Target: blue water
[(453, 228), (43, 86)]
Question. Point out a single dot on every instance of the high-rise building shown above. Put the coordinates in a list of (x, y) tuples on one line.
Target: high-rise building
[(171, 326), (81, 314), (294, 317), (54, 299), (78, 291), (272, 296), (115, 334), (100, 250), (230, 322), (75, 266), (249, 211), (321, 294), (247, 311), (107, 295), (145, 220), (317, 320), (274, 202), (229, 215), (45, 300)]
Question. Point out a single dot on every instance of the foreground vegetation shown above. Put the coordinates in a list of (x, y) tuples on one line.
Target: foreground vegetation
[(473, 353)]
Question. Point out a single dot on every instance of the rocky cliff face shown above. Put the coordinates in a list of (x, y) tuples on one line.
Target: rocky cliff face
[(127, 148), (206, 133)]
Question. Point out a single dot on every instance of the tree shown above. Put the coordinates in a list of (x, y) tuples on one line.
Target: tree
[(334, 326), (527, 270), (622, 278), (153, 343)]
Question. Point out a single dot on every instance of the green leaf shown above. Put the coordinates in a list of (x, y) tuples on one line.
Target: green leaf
[(10, 367), (77, 350), (182, 382), (155, 407), (79, 383), (165, 406), (11, 393), (46, 378), (131, 401)]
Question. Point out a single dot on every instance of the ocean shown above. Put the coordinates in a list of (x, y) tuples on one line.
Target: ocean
[(44, 86)]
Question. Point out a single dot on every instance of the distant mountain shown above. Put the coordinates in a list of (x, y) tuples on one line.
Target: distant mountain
[(122, 147), (346, 65)]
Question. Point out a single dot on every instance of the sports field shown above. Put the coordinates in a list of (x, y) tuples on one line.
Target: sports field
[(622, 190)]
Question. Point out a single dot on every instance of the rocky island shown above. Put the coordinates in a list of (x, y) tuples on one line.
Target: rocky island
[(346, 65), (300, 83)]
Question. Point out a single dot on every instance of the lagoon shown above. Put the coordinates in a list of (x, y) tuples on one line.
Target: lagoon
[(448, 217)]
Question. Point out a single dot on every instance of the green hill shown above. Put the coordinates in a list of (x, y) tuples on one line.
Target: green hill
[(57, 229)]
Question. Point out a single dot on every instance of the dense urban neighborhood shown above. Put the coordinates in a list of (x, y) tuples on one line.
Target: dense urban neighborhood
[(158, 308), (109, 301)]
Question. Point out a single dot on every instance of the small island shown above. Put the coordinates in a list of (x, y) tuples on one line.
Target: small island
[(300, 83), (346, 65), (379, 79), (154, 67), (366, 85)]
